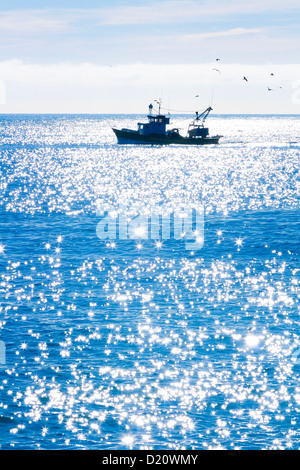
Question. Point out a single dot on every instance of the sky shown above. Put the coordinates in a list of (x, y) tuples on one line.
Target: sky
[(117, 56)]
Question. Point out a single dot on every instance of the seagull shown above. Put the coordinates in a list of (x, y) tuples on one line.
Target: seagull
[(270, 89), (244, 78)]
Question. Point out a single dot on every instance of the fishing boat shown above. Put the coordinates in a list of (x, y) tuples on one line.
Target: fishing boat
[(155, 131)]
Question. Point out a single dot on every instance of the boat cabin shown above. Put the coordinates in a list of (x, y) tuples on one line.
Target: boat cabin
[(197, 131), (156, 123)]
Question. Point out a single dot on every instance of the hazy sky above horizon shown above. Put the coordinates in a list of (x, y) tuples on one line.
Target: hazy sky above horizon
[(116, 56)]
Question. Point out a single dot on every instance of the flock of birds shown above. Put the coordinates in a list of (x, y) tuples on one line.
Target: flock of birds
[(245, 78), (269, 89)]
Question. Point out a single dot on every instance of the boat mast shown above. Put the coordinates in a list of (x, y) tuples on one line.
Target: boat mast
[(159, 104)]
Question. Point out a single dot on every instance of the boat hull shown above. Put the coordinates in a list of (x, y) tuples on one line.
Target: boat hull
[(127, 136)]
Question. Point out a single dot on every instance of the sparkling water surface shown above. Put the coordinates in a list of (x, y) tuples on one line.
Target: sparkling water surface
[(138, 344)]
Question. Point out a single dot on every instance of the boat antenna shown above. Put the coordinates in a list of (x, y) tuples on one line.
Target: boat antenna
[(159, 104)]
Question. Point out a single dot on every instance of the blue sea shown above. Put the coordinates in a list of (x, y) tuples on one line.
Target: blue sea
[(143, 344)]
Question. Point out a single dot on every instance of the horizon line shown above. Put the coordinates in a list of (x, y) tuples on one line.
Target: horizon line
[(144, 114)]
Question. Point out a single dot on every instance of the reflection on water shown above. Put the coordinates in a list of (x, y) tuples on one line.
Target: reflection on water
[(118, 345)]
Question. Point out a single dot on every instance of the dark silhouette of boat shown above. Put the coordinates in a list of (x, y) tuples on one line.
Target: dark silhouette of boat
[(155, 131)]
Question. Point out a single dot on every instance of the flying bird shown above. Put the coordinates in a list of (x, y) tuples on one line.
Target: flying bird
[(217, 60), (272, 74), (217, 70), (244, 78), (270, 89)]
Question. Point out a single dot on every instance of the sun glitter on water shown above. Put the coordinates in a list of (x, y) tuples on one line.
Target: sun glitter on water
[(252, 340)]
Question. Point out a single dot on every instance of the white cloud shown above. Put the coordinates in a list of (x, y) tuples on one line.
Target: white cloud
[(89, 88), (151, 12), (219, 34), (32, 21), (175, 11), (207, 27)]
